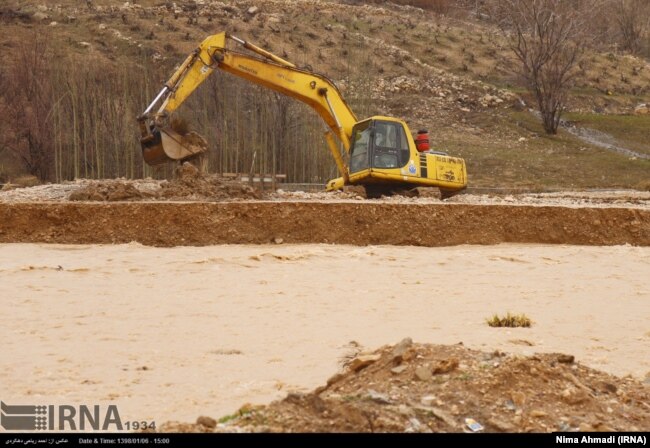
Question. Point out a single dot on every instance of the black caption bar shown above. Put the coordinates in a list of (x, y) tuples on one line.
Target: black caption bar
[(40, 439)]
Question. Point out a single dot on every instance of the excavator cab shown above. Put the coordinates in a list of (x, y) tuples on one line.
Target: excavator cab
[(385, 159), (378, 144)]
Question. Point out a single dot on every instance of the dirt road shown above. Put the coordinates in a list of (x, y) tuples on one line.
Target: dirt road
[(173, 333)]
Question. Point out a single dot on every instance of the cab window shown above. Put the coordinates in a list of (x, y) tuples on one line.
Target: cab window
[(360, 151), (404, 151), (388, 143)]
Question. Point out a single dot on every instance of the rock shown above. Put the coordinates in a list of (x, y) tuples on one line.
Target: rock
[(415, 425), (423, 373), (574, 396), (401, 348), (439, 414), (208, 422), (187, 171), (378, 397), (40, 16), (585, 427), (602, 427), (124, 192), (518, 398), (642, 109), (85, 44), (278, 240), (608, 387), (83, 195), (292, 397), (565, 359), (335, 379), (397, 370), (445, 366), (428, 400), (501, 425), (361, 362), (405, 410), (537, 413), (522, 139), (53, 24), (490, 101), (252, 10)]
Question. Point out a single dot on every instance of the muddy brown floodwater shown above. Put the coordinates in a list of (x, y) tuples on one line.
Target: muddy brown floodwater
[(174, 333)]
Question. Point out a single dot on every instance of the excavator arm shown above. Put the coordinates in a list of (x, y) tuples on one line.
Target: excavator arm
[(161, 143)]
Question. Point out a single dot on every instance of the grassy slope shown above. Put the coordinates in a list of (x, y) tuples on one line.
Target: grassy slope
[(544, 161), (349, 42)]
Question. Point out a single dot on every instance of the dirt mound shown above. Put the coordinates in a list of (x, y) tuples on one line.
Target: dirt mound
[(191, 184), (432, 388), (113, 190)]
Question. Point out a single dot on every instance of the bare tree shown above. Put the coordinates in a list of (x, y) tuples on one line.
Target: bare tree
[(632, 18), (548, 37), (27, 93)]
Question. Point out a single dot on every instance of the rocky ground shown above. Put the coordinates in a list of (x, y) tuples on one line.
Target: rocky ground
[(432, 388), (190, 185)]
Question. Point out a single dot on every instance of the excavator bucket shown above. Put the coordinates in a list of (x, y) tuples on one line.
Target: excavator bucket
[(166, 145)]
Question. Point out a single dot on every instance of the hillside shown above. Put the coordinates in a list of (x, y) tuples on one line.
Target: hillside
[(96, 65)]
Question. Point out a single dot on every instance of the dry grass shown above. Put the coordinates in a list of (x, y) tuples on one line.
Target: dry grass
[(509, 320)]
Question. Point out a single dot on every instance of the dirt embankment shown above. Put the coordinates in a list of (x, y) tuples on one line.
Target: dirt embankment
[(215, 210), (433, 388), (359, 223)]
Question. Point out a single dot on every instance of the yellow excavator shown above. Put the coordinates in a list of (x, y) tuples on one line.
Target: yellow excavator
[(379, 152)]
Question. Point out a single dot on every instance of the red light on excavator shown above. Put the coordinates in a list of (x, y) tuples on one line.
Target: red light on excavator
[(422, 140)]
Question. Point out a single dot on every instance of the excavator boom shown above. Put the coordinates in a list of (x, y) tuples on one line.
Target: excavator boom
[(161, 143)]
